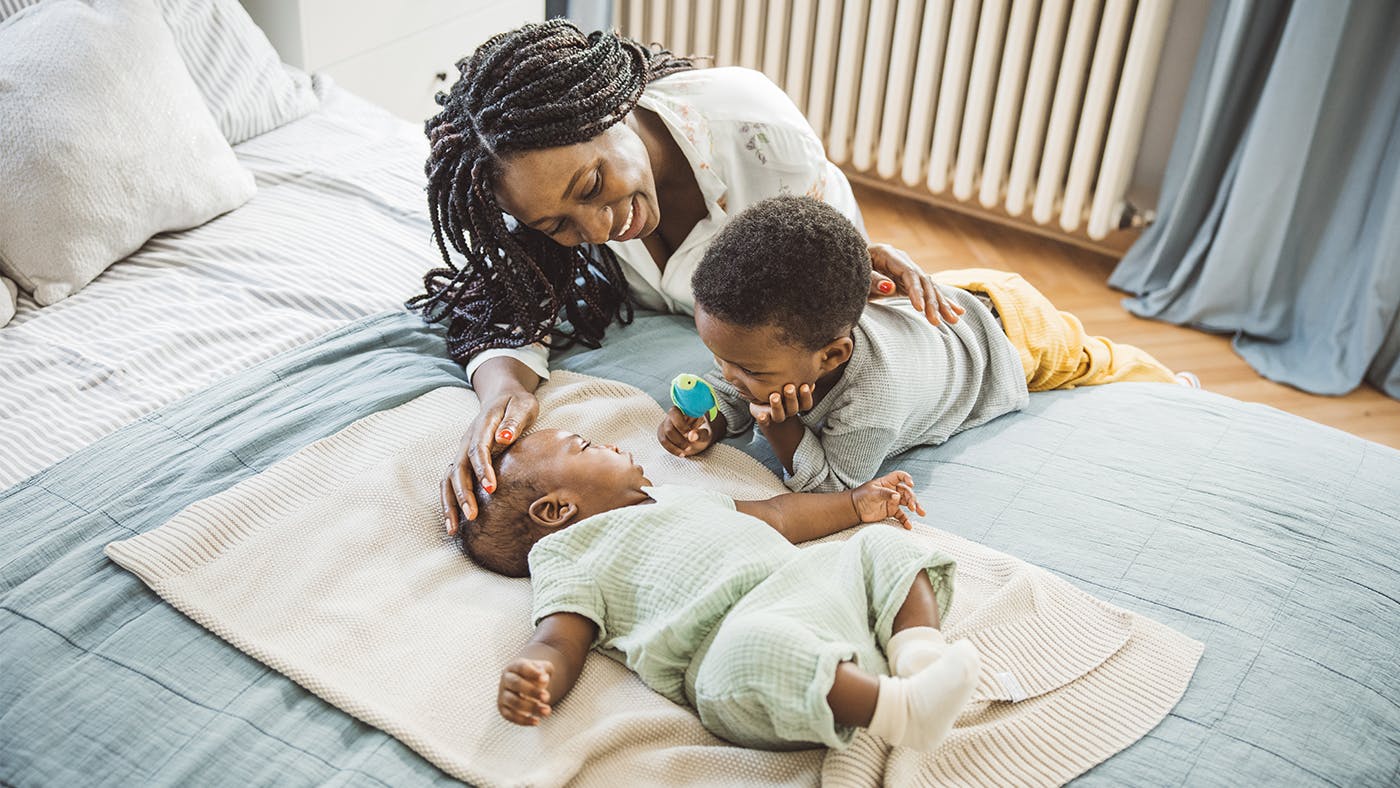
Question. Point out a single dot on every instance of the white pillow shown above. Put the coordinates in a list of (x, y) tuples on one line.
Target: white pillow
[(244, 83), (106, 142), (8, 300), (243, 80)]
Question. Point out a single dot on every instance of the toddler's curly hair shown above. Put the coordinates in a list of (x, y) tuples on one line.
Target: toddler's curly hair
[(791, 262)]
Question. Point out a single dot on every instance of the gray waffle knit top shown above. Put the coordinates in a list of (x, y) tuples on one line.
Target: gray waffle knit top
[(907, 383)]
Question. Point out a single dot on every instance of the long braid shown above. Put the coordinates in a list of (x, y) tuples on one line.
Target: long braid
[(541, 86)]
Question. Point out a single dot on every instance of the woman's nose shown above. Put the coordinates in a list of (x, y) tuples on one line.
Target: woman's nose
[(597, 226)]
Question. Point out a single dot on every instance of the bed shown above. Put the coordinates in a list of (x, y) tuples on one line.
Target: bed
[(213, 353)]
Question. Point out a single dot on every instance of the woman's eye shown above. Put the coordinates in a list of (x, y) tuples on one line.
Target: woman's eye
[(597, 186)]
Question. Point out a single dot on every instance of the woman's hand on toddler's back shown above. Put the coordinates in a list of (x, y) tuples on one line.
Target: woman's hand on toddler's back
[(684, 436), (883, 498), (893, 271)]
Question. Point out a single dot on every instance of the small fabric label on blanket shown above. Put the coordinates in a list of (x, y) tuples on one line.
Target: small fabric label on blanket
[(1014, 691)]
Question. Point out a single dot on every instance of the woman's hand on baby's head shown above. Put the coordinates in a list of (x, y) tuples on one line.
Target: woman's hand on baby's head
[(886, 497), (683, 436), (499, 423), (523, 697)]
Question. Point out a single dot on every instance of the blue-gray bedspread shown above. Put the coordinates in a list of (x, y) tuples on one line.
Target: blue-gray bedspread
[(1273, 540)]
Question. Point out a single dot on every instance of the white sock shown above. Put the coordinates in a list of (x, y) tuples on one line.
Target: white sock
[(918, 711), (911, 650)]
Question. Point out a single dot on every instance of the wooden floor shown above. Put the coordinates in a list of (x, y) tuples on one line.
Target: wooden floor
[(1074, 279)]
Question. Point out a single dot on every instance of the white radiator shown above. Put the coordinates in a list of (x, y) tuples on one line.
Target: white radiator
[(1032, 107)]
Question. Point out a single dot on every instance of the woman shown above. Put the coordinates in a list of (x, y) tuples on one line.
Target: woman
[(616, 165)]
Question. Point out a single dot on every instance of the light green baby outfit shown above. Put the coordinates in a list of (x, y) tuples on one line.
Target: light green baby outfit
[(715, 609)]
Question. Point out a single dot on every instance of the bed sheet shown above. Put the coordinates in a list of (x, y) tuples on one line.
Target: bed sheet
[(1269, 538), (336, 231)]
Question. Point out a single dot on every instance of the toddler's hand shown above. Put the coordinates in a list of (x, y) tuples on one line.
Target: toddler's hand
[(683, 436), (783, 405), (523, 697), (880, 498)]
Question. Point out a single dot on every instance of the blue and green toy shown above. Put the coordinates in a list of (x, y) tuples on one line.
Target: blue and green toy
[(694, 396)]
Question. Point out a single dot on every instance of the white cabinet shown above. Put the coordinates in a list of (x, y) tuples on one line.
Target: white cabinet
[(391, 53)]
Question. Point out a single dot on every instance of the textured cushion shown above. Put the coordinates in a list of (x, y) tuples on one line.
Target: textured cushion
[(243, 81), (8, 302), (107, 142)]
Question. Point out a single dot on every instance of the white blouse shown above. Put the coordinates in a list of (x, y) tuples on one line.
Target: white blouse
[(745, 141)]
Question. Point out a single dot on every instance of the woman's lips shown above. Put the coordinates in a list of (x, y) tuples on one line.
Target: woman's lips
[(636, 222)]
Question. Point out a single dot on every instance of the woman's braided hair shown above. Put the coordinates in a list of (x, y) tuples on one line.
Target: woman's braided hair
[(540, 86)]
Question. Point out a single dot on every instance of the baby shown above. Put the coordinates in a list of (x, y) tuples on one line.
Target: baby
[(837, 385), (712, 605)]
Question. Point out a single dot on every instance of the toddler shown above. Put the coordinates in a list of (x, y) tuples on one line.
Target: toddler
[(837, 385), (712, 605)]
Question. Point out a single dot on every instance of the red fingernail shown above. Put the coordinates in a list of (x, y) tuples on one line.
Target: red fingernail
[(885, 287), (505, 436), (489, 488)]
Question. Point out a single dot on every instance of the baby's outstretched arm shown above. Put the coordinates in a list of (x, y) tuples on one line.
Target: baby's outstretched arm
[(546, 668), (804, 516)]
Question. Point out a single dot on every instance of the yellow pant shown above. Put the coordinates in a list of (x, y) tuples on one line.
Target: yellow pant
[(1055, 351)]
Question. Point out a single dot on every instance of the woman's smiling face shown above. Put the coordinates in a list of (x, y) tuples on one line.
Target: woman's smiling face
[(595, 191)]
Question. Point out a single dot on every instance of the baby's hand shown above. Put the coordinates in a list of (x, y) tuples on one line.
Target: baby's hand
[(880, 498), (683, 436), (783, 405), (524, 693)]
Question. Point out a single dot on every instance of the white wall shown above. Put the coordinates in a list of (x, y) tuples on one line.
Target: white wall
[(388, 52)]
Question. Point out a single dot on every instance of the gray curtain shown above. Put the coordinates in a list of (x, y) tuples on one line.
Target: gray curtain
[(1279, 220)]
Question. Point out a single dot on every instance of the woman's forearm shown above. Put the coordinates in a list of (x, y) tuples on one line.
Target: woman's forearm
[(503, 375)]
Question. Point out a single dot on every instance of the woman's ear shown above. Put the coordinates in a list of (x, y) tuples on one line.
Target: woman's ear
[(552, 512), (836, 353)]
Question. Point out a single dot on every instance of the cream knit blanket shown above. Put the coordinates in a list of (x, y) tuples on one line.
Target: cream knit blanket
[(332, 567)]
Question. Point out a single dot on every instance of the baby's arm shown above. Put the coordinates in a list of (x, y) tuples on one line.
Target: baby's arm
[(546, 668), (804, 516)]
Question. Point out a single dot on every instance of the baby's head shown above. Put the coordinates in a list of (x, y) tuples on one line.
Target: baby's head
[(778, 292), (546, 481)]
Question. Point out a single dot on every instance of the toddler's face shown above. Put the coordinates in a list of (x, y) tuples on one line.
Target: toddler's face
[(756, 361)]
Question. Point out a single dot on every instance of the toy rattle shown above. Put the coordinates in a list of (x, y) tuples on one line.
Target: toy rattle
[(694, 396)]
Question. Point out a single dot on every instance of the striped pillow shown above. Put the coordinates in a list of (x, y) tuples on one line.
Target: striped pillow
[(243, 81), (245, 85)]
